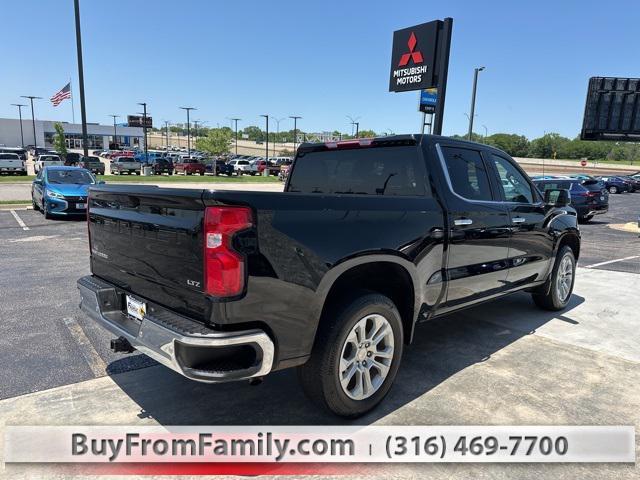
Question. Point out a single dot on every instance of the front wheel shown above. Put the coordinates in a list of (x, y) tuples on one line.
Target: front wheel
[(556, 292), (355, 357)]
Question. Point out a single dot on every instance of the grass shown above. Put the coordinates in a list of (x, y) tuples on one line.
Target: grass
[(15, 202), (158, 179)]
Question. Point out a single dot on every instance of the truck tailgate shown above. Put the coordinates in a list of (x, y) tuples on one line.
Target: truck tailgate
[(149, 241)]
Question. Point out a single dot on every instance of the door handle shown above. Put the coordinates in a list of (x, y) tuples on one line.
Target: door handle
[(518, 220), (462, 221)]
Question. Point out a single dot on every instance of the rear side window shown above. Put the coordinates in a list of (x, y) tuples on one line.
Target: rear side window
[(515, 186), (385, 171), (469, 177)]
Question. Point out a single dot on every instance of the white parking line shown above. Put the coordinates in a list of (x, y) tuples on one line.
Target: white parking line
[(611, 261), (19, 220), (96, 364)]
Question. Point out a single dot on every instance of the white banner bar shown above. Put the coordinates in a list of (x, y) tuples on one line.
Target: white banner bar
[(320, 444)]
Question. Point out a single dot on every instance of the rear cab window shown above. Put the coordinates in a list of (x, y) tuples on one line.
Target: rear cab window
[(467, 173), (384, 170)]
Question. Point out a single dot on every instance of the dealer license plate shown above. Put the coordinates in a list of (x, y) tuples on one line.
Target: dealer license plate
[(136, 308)]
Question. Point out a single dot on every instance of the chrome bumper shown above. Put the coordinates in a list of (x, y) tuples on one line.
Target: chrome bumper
[(183, 345)]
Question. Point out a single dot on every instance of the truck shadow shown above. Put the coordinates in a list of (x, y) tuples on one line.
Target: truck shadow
[(441, 348)]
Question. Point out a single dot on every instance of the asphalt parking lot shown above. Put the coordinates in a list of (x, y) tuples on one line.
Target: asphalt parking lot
[(501, 363)]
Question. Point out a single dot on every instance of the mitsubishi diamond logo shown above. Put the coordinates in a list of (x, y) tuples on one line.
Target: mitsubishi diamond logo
[(413, 54)]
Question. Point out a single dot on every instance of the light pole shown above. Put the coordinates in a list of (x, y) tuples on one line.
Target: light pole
[(277, 120), (195, 123), (188, 109), (473, 98), (20, 105), (144, 128), (235, 120), (83, 112), (357, 128), (266, 117), (353, 122), (115, 132), (33, 118), (166, 132), (485, 133), (295, 131)]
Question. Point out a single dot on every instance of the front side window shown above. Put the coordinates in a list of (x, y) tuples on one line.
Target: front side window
[(515, 186), (389, 171), (467, 172)]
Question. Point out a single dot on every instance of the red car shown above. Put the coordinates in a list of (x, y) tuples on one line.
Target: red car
[(189, 166)]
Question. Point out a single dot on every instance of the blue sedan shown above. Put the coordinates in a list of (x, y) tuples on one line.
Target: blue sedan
[(61, 191)]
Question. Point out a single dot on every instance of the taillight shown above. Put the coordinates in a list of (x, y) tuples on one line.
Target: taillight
[(224, 267)]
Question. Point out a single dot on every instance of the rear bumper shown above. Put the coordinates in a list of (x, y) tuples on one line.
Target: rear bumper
[(183, 345)]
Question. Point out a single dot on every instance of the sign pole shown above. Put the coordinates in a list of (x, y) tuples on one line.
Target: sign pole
[(424, 121), (443, 70)]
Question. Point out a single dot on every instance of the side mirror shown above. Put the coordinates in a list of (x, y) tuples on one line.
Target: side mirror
[(557, 197)]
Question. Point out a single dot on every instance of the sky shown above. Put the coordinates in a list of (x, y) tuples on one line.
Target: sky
[(322, 60)]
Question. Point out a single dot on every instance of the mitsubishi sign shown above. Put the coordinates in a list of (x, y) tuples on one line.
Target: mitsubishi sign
[(413, 58)]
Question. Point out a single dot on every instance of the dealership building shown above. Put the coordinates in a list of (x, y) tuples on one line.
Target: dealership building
[(98, 136)]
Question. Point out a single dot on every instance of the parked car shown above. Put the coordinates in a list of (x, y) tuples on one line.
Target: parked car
[(71, 159), (162, 165), (332, 275), (588, 197), (21, 152), (93, 164), (615, 184), (633, 182), (61, 191), (242, 167), (10, 163), (189, 166), (121, 165), (46, 161), (219, 167)]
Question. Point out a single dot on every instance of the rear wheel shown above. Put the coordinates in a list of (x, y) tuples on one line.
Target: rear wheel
[(556, 292), (355, 357), (613, 189)]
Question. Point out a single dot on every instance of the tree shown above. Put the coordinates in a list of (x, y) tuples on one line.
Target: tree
[(58, 140), (514, 145), (366, 134), (217, 141), (547, 145)]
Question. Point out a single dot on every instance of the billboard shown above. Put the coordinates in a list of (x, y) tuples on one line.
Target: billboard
[(137, 121), (612, 110)]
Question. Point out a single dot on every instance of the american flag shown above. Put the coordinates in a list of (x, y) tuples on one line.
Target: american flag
[(61, 95)]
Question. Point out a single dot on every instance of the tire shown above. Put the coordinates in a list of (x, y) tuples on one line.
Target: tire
[(552, 296), (45, 211), (137, 172), (35, 205), (321, 376), (613, 189)]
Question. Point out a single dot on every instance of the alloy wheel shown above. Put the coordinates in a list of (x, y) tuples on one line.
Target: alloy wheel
[(366, 357), (564, 278)]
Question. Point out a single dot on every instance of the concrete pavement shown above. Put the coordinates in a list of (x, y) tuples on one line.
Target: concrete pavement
[(500, 363)]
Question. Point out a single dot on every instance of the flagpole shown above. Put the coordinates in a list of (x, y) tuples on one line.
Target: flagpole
[(73, 108)]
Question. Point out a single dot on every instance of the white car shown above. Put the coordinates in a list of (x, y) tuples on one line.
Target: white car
[(11, 163), (242, 167), (47, 161)]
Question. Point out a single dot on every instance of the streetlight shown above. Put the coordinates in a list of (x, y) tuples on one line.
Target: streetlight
[(115, 133), (188, 109), (473, 97), (357, 128), (83, 111), (235, 120), (295, 131), (144, 128), (166, 132), (485, 133), (277, 120), (353, 122), (33, 118), (266, 170), (20, 105), (196, 122)]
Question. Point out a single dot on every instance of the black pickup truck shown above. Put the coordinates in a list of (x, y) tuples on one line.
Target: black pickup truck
[(369, 238)]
